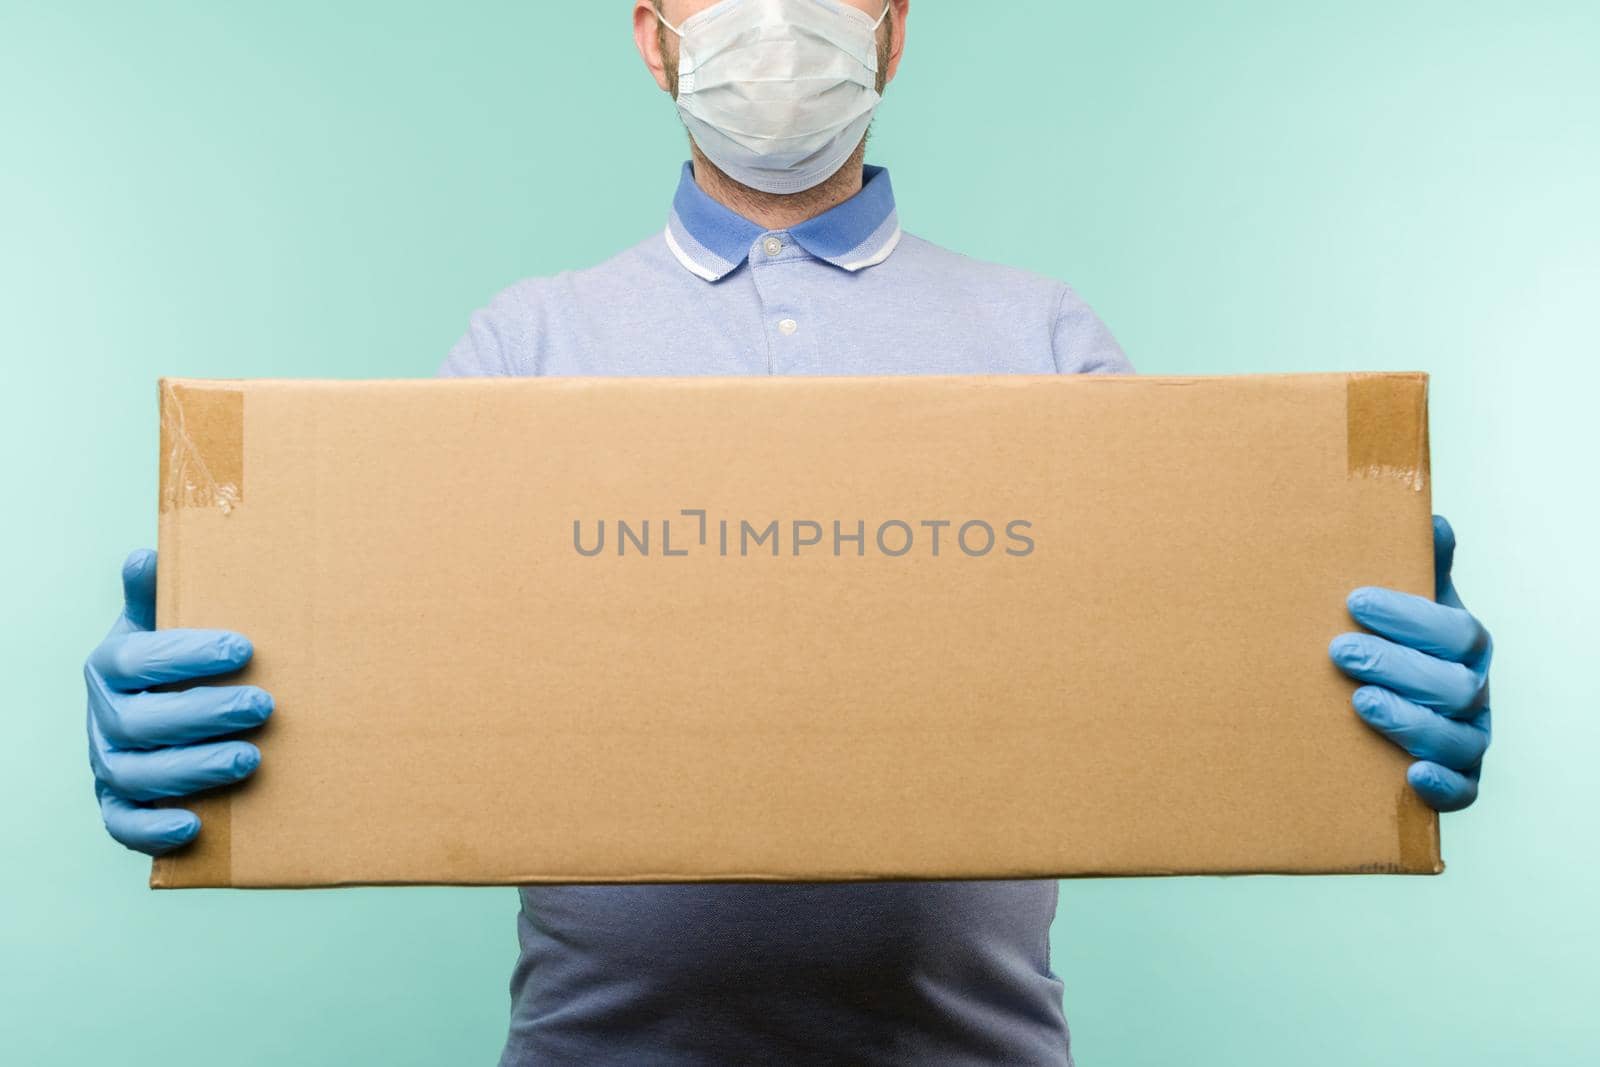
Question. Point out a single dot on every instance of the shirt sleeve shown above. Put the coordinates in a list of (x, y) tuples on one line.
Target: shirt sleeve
[(1082, 343), (500, 340)]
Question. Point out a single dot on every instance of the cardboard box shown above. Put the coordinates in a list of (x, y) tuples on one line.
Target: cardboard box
[(640, 630)]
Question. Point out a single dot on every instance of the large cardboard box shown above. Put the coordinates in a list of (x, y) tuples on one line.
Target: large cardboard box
[(640, 630)]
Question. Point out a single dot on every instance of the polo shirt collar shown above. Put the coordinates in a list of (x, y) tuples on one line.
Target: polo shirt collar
[(712, 241)]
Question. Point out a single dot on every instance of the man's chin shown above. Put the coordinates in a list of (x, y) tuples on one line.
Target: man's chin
[(823, 190)]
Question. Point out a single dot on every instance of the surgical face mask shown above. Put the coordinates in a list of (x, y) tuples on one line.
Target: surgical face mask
[(778, 93)]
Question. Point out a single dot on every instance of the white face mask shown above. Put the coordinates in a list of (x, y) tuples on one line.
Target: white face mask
[(778, 93)]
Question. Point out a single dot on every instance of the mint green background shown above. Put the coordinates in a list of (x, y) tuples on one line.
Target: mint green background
[(328, 190)]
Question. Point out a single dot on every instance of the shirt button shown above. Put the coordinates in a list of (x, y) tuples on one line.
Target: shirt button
[(772, 246), (787, 327)]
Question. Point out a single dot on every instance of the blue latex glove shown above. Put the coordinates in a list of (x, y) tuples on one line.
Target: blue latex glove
[(146, 746), (1428, 679)]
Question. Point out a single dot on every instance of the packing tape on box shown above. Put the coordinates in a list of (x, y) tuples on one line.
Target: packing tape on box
[(1419, 833), (208, 861), (1387, 427), (202, 447)]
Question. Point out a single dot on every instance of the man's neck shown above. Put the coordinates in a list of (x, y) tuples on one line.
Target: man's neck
[(779, 211)]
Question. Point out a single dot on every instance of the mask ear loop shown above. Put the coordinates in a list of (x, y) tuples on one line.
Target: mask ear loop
[(887, 6), (656, 7)]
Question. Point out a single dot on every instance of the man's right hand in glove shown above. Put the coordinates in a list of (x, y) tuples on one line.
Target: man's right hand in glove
[(147, 745)]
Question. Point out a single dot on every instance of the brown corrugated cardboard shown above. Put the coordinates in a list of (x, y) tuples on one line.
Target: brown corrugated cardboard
[(797, 629)]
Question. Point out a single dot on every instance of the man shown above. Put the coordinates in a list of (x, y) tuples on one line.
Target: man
[(782, 254)]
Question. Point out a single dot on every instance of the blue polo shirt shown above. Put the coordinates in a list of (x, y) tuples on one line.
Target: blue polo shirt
[(949, 973)]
